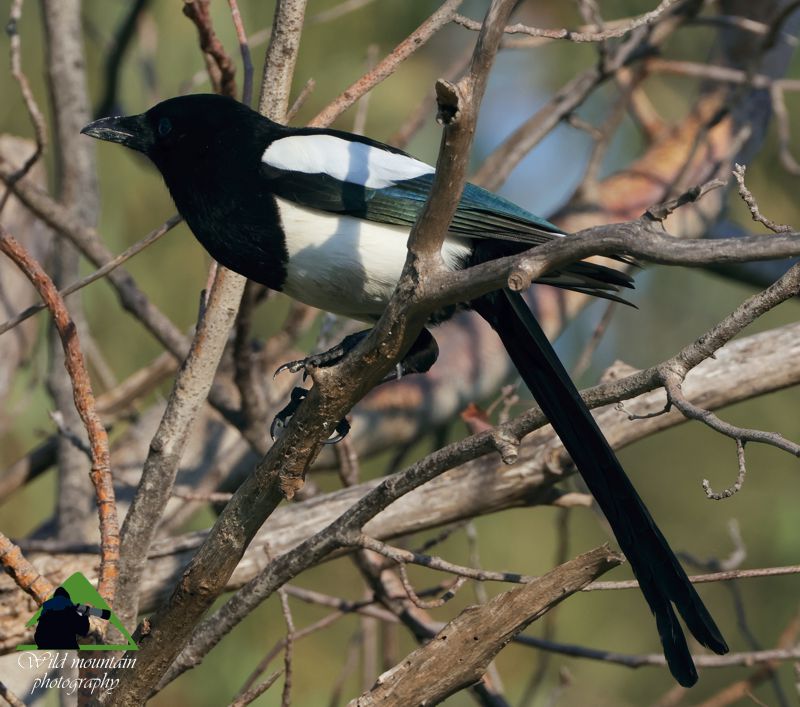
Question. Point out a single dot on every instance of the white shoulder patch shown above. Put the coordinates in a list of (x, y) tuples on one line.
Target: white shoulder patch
[(347, 161)]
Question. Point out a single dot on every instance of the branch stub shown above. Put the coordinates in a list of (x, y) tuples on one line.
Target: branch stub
[(449, 101)]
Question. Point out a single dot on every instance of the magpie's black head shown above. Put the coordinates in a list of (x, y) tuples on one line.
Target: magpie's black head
[(183, 129)]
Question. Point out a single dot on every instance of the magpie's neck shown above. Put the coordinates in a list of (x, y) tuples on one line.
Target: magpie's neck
[(228, 207)]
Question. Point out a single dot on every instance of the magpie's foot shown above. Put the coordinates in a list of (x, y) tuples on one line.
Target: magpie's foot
[(301, 364), (281, 420), (326, 358)]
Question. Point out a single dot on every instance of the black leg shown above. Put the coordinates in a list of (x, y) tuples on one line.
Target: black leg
[(419, 359), (298, 395)]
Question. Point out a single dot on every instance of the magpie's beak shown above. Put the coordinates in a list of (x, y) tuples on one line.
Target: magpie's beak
[(132, 131)]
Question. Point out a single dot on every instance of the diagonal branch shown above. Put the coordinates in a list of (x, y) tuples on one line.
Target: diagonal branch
[(86, 407), (388, 65), (461, 652), (25, 575)]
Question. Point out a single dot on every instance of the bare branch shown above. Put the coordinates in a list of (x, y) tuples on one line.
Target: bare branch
[(244, 48), (254, 693), (705, 578), (740, 434), (401, 557), (790, 164), (23, 572), (284, 43), (220, 66), (302, 97), (91, 246), (288, 649), (460, 653), (39, 127), (747, 658), (615, 29), (165, 633), (388, 65), (736, 487), (86, 407), (188, 395), (10, 697), (100, 273), (748, 198), (114, 59), (722, 74)]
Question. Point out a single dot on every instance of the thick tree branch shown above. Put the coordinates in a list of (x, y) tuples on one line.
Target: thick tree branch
[(164, 634), (460, 653)]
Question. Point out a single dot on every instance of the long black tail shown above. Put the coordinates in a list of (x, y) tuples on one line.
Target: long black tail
[(660, 575)]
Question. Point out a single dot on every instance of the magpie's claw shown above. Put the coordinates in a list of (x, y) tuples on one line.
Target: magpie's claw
[(281, 420), (325, 358), (304, 364), (291, 366), (340, 432)]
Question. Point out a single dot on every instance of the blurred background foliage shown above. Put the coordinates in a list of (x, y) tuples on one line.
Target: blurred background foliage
[(674, 306)]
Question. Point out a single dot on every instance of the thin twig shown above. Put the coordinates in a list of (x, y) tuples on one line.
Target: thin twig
[(451, 591), (288, 650), (116, 55), (348, 467), (735, 487), (209, 497), (112, 264), (362, 105), (39, 125), (247, 375), (748, 198), (740, 689), (302, 97), (337, 11), (343, 606), (254, 693), (9, 696), (721, 74), (309, 630), (704, 578), (244, 48), (614, 30), (70, 435), (92, 247), (741, 434), (782, 121), (745, 658), (585, 358), (543, 663), (221, 68), (388, 65), (350, 663)]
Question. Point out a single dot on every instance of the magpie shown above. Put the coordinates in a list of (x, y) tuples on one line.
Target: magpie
[(324, 216)]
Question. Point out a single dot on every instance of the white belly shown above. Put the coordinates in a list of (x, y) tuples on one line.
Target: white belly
[(345, 265)]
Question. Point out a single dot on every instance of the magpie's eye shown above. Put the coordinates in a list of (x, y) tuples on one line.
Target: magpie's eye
[(164, 127)]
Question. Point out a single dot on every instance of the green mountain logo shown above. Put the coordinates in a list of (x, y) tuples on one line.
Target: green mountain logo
[(65, 615)]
